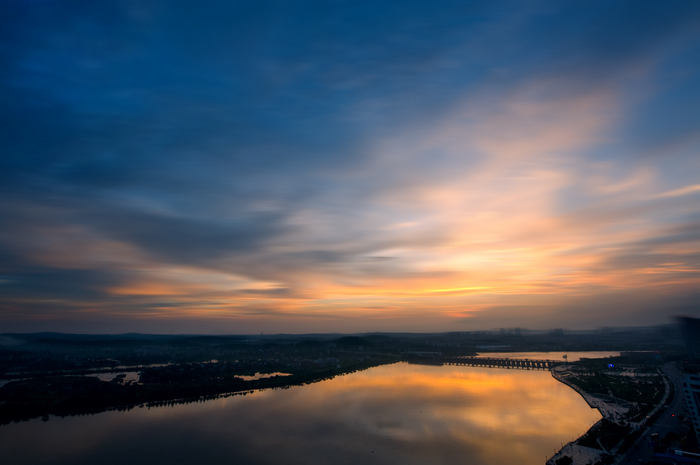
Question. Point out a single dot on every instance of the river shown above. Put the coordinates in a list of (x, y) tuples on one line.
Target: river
[(400, 413)]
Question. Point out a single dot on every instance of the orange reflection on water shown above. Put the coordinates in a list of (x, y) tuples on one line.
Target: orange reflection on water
[(504, 416), (401, 413)]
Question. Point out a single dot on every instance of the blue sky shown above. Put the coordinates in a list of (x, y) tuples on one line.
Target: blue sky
[(348, 166)]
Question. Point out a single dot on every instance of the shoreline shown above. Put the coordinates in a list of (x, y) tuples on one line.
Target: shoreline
[(579, 454), (611, 412)]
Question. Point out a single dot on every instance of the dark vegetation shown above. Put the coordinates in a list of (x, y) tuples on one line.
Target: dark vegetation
[(58, 379), (608, 433), (74, 395)]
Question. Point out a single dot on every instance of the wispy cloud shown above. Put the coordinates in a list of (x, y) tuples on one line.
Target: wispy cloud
[(680, 192), (417, 166)]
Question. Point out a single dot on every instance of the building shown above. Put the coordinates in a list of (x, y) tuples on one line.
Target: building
[(691, 388), (690, 329)]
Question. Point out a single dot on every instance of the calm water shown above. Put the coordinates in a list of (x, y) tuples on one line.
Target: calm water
[(408, 414)]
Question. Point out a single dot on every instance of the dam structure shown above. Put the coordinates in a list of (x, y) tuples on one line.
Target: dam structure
[(489, 362)]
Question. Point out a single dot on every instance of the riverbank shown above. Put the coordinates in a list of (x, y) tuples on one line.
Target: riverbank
[(580, 455), (629, 402)]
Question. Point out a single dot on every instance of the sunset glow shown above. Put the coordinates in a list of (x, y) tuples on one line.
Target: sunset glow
[(294, 169)]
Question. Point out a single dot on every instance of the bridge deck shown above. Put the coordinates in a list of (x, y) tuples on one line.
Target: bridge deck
[(525, 364)]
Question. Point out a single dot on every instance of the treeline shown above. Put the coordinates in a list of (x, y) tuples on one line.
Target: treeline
[(77, 395)]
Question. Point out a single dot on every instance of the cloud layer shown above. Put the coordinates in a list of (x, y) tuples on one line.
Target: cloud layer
[(348, 166)]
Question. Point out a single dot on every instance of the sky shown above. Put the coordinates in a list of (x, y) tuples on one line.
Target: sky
[(348, 166)]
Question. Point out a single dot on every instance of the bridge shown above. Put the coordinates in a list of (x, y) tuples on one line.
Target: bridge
[(489, 362)]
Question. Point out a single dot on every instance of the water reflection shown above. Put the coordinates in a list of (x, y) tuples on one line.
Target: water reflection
[(401, 413), (257, 376), (124, 376)]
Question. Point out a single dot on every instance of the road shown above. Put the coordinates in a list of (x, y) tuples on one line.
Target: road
[(643, 451)]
